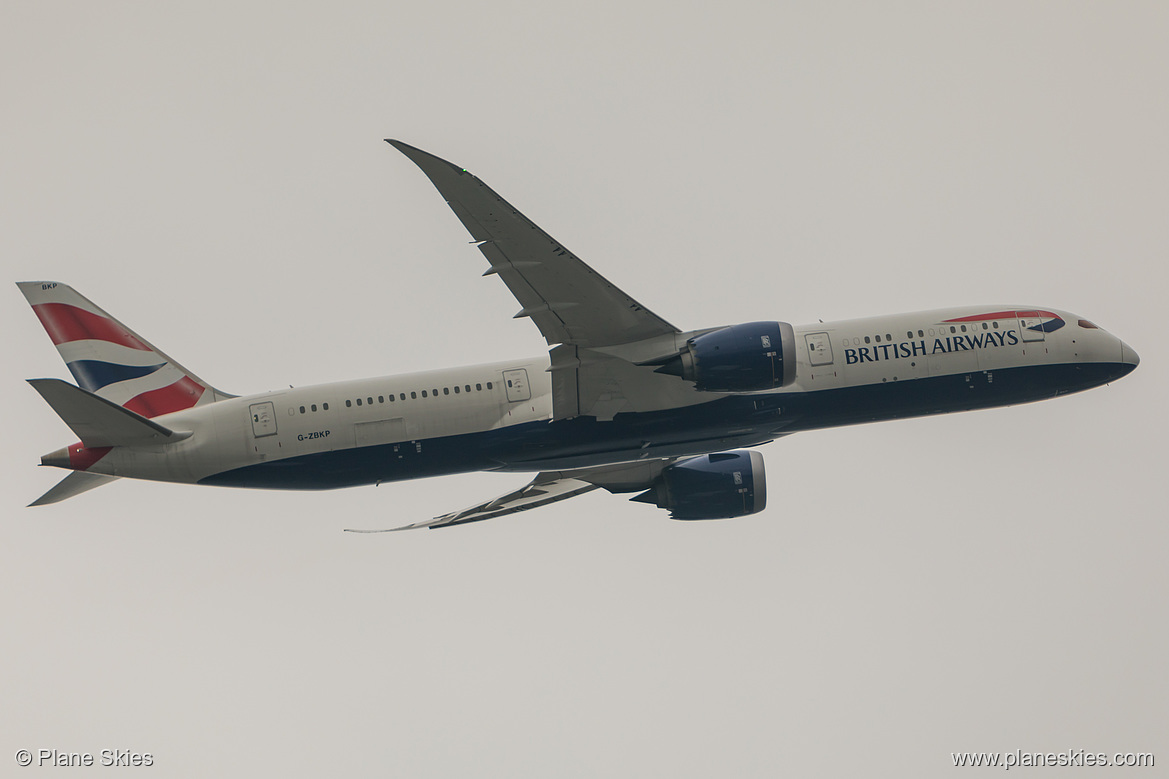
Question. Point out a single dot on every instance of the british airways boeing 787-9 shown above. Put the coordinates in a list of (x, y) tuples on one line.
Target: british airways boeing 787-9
[(623, 400)]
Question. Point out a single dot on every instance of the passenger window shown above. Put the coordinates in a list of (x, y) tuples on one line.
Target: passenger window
[(314, 408), (995, 325), (964, 328), (446, 390), (488, 385), (423, 393), (920, 334), (302, 409), (359, 401), (984, 326), (325, 406), (878, 339), (478, 387), (402, 396), (369, 401), (467, 388), (414, 396), (381, 398), (953, 329), (348, 404), (434, 392), (866, 339), (888, 337), (391, 398), (456, 389)]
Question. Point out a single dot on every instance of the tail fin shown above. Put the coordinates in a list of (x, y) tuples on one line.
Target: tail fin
[(111, 360)]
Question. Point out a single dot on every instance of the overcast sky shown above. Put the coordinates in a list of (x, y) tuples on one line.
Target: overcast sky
[(214, 175)]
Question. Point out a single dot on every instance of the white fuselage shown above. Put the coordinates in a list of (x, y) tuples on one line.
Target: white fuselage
[(400, 415)]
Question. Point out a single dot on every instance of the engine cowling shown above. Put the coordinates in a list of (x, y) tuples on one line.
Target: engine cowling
[(740, 358), (713, 486)]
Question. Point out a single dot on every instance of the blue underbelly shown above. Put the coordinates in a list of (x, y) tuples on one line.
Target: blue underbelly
[(727, 423)]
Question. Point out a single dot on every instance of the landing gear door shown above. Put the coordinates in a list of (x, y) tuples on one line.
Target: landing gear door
[(819, 348), (516, 383), (263, 419), (1031, 326)]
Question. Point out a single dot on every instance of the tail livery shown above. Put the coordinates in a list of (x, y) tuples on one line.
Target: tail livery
[(111, 360), (124, 383)]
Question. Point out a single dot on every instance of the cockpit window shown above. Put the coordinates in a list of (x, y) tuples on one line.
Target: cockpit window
[(1084, 323)]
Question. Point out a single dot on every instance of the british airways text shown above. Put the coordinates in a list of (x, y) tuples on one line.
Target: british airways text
[(906, 349)]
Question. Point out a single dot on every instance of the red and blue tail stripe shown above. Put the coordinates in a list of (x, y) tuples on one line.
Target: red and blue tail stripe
[(183, 394), (65, 324), (93, 375), (110, 360)]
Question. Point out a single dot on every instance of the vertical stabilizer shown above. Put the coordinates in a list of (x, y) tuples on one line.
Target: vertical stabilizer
[(111, 360)]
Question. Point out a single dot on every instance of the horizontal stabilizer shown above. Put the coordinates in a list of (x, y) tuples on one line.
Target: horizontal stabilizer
[(75, 483), (99, 422)]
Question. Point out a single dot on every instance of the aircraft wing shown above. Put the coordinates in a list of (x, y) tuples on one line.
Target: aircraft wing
[(569, 301), (550, 487)]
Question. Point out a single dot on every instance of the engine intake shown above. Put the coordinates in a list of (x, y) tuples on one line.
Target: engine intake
[(713, 486), (740, 358)]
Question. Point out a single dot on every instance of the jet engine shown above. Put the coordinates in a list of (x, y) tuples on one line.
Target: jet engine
[(739, 358), (713, 486)]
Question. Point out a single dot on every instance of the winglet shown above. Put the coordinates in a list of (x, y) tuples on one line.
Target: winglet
[(424, 159), (388, 529)]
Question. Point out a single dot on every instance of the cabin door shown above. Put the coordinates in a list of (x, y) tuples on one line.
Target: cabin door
[(1031, 326), (265, 441), (516, 383), (819, 349)]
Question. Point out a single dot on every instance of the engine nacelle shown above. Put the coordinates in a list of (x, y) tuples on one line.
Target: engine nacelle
[(740, 358), (713, 486)]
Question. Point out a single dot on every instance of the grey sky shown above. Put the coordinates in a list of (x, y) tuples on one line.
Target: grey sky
[(214, 175)]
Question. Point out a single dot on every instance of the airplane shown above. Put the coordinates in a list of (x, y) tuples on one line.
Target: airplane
[(623, 401)]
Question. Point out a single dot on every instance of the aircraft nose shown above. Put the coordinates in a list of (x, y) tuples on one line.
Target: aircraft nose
[(1129, 356)]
